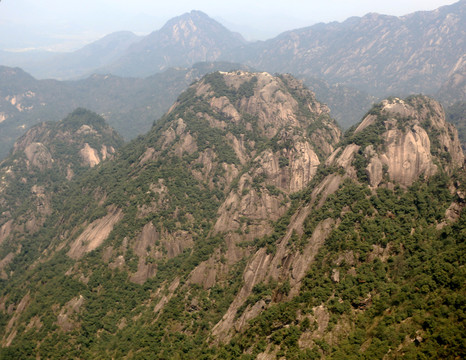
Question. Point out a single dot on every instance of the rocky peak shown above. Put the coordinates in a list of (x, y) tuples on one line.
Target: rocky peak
[(81, 139), (237, 117), (196, 22), (182, 41), (401, 140)]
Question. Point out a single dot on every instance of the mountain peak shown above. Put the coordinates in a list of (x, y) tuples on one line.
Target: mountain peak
[(400, 140), (183, 41)]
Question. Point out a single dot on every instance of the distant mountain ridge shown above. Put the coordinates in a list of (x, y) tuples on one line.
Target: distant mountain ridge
[(380, 54), (76, 64), (182, 41)]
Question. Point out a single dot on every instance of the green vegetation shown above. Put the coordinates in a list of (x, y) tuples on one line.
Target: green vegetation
[(414, 291), (456, 114), (387, 281)]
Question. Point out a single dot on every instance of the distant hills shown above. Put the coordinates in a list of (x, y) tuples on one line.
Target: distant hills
[(379, 54), (182, 41)]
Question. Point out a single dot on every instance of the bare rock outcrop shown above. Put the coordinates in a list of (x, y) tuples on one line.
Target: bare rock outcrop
[(38, 155), (401, 140), (89, 155), (95, 234), (66, 319)]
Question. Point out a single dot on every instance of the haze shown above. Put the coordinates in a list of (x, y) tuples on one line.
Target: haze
[(67, 25)]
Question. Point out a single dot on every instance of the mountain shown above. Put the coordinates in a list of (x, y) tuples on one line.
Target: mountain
[(183, 41), (379, 54), (244, 225), (130, 105), (44, 160), (85, 60), (375, 54)]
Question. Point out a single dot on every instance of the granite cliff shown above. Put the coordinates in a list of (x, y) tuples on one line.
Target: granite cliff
[(244, 224)]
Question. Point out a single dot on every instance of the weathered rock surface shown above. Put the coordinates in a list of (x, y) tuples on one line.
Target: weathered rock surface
[(95, 234), (414, 140)]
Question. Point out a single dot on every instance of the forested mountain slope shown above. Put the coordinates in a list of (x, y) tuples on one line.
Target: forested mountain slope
[(42, 163), (243, 225)]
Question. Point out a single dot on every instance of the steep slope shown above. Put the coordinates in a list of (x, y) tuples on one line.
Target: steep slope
[(182, 41), (223, 160), (401, 140), (379, 54), (42, 162), (386, 266), (241, 226)]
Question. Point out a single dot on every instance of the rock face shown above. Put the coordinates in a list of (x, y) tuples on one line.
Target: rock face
[(412, 140), (272, 113), (47, 155), (95, 234), (244, 197), (68, 140)]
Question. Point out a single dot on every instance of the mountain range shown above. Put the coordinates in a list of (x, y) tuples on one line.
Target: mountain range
[(130, 105), (379, 54), (244, 224), (314, 213), (349, 65)]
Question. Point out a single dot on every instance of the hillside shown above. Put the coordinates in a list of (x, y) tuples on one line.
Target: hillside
[(42, 163), (84, 61), (243, 225)]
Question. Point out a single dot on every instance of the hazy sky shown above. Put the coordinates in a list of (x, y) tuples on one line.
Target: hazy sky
[(69, 24)]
